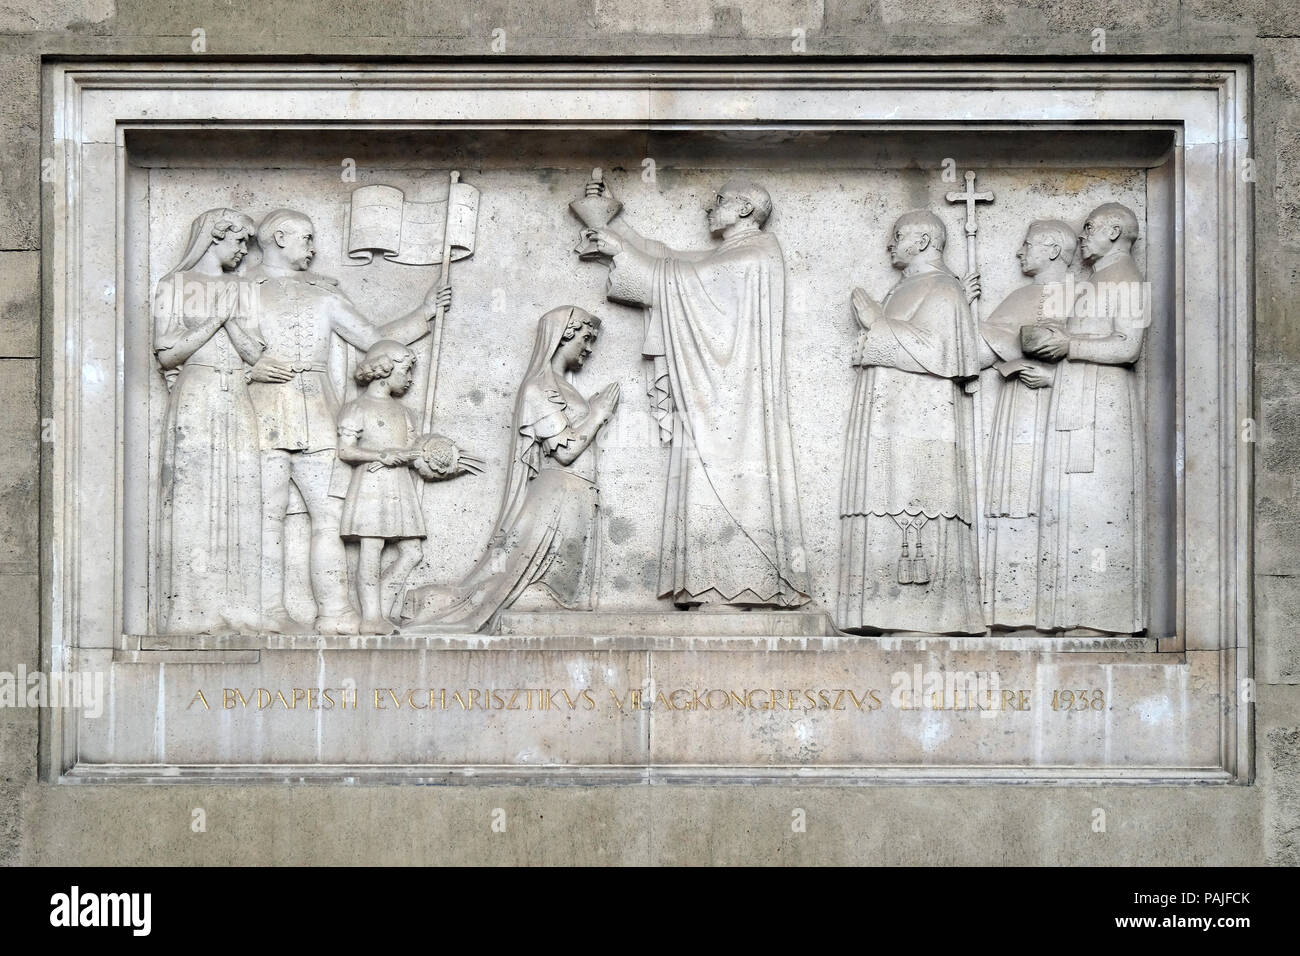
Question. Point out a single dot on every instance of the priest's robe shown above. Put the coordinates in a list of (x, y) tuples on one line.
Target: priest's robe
[(1017, 446), (714, 329), (1092, 563), (907, 506)]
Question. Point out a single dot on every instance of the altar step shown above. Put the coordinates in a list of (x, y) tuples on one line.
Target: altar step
[(702, 624)]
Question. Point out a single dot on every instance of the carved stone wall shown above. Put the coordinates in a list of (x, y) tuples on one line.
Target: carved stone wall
[(1223, 824), (809, 598)]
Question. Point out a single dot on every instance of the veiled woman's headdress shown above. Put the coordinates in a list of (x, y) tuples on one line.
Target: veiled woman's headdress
[(538, 391), (213, 226)]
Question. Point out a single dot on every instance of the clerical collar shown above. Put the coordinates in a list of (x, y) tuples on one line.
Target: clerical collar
[(923, 267), (737, 236), (1044, 279), (1110, 258)]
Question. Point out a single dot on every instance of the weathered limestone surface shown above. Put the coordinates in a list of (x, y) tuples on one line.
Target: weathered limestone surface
[(20, 303), (1279, 752), (19, 436), (41, 823)]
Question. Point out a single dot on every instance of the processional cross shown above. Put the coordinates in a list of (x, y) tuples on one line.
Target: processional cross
[(970, 197)]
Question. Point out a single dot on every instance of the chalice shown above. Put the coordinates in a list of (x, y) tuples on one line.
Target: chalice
[(596, 210)]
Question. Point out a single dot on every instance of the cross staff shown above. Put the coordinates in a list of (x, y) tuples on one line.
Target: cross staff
[(970, 197)]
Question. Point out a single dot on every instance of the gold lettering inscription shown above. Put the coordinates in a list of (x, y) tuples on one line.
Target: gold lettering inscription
[(1078, 701), (957, 698)]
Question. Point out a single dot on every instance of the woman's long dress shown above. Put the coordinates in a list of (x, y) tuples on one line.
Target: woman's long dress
[(210, 499), (552, 539)]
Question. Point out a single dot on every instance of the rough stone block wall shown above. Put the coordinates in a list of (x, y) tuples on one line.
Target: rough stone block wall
[(46, 824)]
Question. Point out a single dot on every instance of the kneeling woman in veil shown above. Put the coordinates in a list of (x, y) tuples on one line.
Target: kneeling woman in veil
[(546, 531)]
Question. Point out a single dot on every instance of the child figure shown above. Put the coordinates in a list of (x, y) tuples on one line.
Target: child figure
[(381, 437)]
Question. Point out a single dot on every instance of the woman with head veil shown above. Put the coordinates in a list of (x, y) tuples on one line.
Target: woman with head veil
[(546, 531), (209, 517)]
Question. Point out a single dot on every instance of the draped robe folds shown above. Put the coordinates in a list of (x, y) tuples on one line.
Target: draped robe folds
[(547, 533), (1015, 462), (910, 460), (714, 330), (1091, 562), (210, 503)]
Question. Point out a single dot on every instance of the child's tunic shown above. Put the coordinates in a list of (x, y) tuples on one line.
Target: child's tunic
[(381, 503)]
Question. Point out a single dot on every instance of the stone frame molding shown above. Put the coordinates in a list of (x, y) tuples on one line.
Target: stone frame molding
[(91, 106)]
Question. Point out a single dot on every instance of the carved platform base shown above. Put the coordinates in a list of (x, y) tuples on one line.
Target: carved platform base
[(617, 630), (667, 624)]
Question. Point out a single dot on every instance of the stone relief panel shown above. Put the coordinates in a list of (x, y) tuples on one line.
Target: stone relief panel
[(750, 440), (886, 463)]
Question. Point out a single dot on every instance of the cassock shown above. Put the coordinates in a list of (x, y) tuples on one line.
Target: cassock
[(1017, 445), (1091, 570), (714, 327), (907, 507)]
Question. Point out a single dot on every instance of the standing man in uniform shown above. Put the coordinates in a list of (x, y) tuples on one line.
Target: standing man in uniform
[(297, 313)]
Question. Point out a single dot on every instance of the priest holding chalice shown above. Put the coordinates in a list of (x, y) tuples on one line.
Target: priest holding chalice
[(714, 330)]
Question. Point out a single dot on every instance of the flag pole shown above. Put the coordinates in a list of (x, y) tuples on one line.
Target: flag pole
[(435, 351)]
